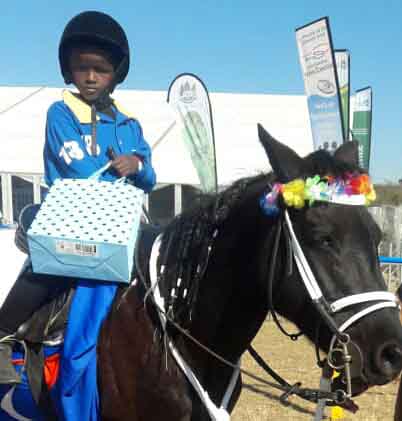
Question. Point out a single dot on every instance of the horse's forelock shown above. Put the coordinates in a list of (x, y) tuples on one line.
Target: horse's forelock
[(323, 163)]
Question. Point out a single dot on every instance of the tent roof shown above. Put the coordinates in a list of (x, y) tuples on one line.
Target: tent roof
[(239, 153)]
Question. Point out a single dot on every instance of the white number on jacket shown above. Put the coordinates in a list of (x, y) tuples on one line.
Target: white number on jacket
[(71, 150)]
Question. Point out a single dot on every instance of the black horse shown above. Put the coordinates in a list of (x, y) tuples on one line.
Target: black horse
[(218, 267)]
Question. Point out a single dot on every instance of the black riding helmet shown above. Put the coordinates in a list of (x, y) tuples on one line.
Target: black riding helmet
[(97, 29)]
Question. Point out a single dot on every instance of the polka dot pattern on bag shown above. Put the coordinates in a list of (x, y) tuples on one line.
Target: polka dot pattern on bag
[(89, 210)]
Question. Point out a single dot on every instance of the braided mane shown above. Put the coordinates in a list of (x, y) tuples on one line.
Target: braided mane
[(187, 242)]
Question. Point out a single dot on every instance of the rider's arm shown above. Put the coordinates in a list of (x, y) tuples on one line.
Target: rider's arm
[(145, 177), (65, 154)]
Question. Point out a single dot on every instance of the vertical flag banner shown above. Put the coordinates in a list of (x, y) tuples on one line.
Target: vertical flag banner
[(189, 98), (321, 83), (362, 116), (342, 60)]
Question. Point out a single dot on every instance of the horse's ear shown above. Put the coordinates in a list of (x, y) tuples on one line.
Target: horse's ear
[(348, 152), (285, 162)]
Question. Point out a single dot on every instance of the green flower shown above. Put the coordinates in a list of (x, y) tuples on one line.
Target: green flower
[(315, 189)]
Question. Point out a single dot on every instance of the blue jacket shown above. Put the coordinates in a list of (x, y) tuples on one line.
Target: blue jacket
[(67, 154), (67, 151)]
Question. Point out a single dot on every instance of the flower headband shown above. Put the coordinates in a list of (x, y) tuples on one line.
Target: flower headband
[(353, 189)]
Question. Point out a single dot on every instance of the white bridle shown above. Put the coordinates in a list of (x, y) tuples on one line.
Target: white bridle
[(387, 299)]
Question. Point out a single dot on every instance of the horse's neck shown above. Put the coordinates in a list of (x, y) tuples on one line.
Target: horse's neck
[(232, 301), (229, 313)]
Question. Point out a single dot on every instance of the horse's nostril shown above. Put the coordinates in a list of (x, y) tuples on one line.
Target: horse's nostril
[(389, 359)]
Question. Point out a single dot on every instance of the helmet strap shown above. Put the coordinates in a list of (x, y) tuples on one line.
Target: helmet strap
[(104, 101)]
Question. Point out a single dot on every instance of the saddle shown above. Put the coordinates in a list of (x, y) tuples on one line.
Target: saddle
[(46, 325)]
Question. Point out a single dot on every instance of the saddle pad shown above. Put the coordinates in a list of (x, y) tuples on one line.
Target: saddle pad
[(87, 228), (16, 402)]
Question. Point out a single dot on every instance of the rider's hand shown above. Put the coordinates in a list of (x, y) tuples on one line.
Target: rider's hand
[(126, 165)]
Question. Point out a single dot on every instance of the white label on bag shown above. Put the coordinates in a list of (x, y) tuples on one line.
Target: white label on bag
[(76, 248)]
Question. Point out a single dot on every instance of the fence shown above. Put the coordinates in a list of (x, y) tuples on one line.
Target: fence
[(17, 190), (389, 219)]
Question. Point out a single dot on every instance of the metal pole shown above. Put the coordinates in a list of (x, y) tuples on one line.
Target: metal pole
[(7, 197), (389, 268), (177, 199), (146, 202), (36, 188)]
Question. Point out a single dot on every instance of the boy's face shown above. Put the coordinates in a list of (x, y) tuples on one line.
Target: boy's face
[(92, 71)]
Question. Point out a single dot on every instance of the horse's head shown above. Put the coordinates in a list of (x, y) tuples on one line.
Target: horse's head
[(339, 242)]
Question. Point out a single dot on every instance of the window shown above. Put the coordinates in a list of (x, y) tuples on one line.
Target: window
[(161, 205), (22, 195)]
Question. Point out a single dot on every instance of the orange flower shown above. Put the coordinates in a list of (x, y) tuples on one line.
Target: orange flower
[(365, 185)]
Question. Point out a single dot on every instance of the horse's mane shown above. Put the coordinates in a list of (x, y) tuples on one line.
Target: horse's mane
[(187, 240)]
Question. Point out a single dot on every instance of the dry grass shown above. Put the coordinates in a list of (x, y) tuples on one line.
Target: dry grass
[(295, 361)]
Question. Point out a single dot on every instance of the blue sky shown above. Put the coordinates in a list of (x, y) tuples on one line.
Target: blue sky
[(234, 46)]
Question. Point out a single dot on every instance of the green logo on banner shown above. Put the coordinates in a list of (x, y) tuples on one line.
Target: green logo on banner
[(196, 138)]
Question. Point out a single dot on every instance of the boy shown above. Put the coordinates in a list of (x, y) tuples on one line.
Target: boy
[(94, 56), (81, 132)]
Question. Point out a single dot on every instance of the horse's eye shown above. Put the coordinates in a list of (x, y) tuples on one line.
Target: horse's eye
[(326, 241)]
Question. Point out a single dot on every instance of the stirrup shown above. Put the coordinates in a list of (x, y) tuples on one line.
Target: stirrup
[(7, 370)]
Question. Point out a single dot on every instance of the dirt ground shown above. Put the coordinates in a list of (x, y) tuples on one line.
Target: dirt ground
[(295, 361)]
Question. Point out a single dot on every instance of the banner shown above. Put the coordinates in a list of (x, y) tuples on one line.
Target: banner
[(188, 96), (321, 84), (362, 116), (342, 60)]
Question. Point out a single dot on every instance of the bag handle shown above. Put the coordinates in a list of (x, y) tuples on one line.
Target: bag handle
[(112, 155), (96, 175)]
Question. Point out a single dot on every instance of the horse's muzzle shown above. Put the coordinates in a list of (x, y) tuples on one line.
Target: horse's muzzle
[(388, 360), (386, 365)]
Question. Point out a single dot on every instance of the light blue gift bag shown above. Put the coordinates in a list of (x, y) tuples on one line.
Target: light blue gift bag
[(87, 228)]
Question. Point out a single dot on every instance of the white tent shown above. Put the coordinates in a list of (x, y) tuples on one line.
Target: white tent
[(23, 116), (12, 260)]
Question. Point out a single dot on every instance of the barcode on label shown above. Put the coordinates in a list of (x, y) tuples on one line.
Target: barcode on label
[(76, 248)]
